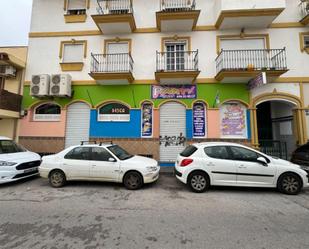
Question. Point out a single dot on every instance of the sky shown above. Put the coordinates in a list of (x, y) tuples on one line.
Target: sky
[(15, 17)]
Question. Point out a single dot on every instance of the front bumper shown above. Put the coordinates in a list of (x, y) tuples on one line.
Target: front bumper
[(15, 175), (152, 176)]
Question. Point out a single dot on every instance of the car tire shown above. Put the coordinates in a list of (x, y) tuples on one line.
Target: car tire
[(133, 180), (198, 182), (290, 184), (57, 178)]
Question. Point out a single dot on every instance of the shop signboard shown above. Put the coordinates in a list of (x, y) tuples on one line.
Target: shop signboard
[(173, 92), (199, 120), (259, 80), (147, 117), (114, 112), (233, 120)]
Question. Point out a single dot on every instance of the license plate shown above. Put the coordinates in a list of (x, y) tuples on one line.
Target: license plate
[(30, 170)]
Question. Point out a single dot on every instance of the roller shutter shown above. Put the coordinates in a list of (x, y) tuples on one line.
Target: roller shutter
[(172, 126), (78, 122)]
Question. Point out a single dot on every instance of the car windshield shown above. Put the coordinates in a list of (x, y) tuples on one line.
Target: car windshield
[(9, 146), (119, 152)]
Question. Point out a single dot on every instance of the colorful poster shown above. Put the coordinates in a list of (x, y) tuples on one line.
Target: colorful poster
[(147, 120), (173, 92), (233, 121), (199, 120)]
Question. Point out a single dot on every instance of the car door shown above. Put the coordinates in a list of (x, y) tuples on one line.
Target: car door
[(250, 172), (220, 165), (104, 166), (76, 163)]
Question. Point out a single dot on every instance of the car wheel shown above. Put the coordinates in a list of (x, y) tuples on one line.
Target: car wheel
[(57, 178), (198, 182), (133, 181), (290, 184)]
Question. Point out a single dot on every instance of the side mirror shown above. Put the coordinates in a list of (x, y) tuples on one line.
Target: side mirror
[(112, 160), (262, 161)]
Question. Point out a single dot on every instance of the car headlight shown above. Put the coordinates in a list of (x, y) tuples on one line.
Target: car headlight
[(152, 168), (4, 163)]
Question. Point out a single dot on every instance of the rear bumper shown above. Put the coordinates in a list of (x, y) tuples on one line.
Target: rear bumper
[(179, 175)]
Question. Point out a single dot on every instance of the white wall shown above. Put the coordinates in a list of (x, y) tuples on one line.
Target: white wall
[(48, 17)]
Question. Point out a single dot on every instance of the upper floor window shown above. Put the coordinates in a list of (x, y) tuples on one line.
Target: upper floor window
[(114, 112), (306, 41), (73, 51), (47, 112), (76, 7)]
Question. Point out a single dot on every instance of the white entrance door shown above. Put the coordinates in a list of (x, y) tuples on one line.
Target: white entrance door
[(78, 122), (172, 131)]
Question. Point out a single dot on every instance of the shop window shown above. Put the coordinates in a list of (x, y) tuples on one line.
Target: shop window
[(233, 120), (147, 119), (47, 112), (114, 112), (199, 120), (76, 7)]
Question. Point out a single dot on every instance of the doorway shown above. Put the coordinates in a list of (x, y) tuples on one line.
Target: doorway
[(276, 128)]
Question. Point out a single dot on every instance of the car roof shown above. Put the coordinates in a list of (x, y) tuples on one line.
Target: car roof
[(4, 138), (95, 145), (217, 144)]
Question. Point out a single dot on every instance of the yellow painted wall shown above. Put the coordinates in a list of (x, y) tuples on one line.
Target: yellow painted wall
[(12, 85), (7, 127)]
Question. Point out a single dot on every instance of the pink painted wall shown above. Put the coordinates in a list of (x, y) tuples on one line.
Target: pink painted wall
[(30, 128), (156, 123), (213, 117)]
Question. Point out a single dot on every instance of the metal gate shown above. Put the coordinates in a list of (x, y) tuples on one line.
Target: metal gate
[(274, 148), (78, 122), (172, 130)]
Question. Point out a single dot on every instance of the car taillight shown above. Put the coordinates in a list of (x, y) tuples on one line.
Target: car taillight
[(186, 162)]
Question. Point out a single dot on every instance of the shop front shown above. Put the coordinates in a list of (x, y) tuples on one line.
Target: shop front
[(151, 120)]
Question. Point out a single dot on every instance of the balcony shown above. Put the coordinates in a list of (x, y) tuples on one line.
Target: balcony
[(112, 69), (237, 66), (180, 67), (10, 104), (115, 16), (177, 15), (304, 11), (239, 14)]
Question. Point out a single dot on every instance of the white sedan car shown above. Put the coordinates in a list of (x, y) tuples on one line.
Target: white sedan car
[(99, 162), (229, 164), (16, 162)]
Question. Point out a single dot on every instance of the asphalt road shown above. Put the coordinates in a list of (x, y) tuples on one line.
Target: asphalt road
[(162, 215)]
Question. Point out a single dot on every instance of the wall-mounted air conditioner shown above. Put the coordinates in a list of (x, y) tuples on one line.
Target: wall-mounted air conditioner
[(60, 85), (7, 71), (39, 86)]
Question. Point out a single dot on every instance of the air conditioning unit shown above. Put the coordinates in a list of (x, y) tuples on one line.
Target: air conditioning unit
[(39, 85), (60, 85), (8, 71)]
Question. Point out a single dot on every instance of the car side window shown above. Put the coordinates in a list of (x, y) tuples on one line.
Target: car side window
[(243, 154), (79, 153), (100, 154), (219, 152)]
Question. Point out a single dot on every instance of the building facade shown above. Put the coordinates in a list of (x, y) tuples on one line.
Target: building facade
[(12, 72), (156, 75)]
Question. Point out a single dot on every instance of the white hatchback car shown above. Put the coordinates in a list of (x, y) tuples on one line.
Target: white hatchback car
[(230, 164), (99, 162), (16, 162)]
